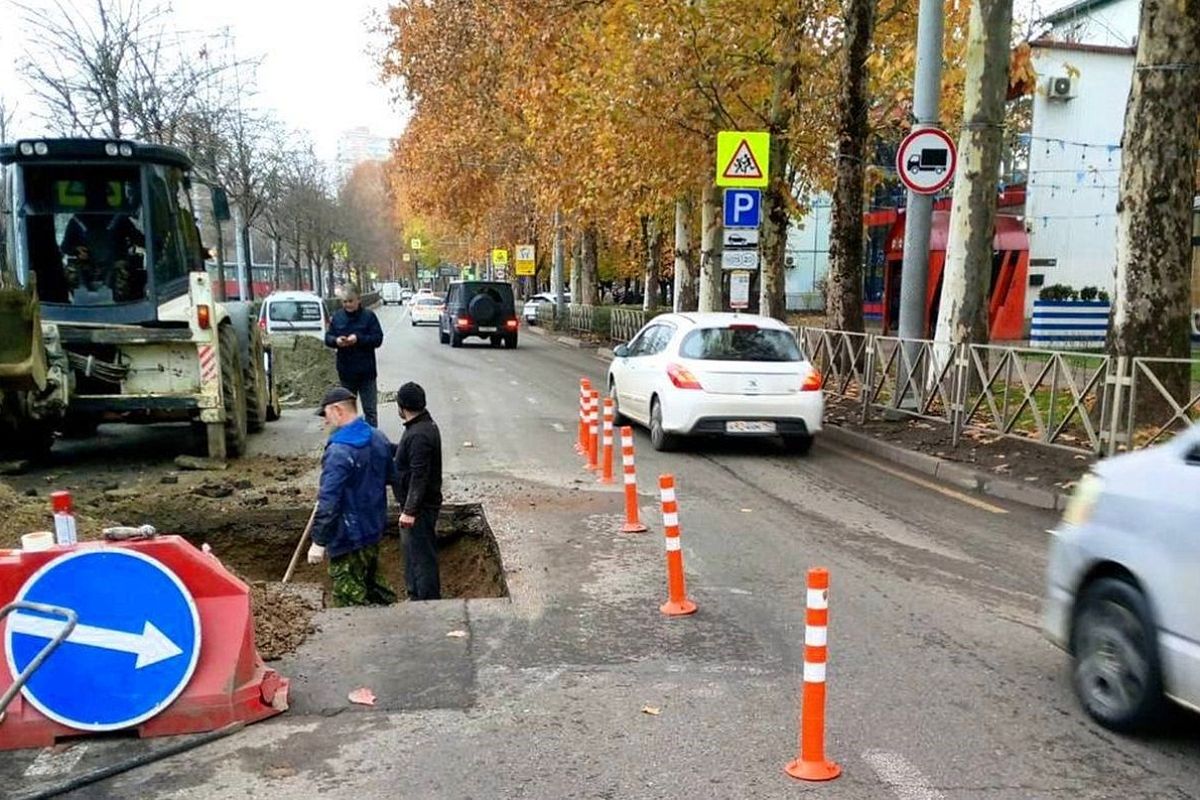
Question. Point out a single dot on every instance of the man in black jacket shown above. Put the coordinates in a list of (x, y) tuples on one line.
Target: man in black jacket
[(419, 492), (356, 334)]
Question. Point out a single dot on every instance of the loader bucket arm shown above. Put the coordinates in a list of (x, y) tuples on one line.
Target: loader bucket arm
[(22, 352)]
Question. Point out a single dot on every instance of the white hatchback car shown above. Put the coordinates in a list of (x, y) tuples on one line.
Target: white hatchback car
[(717, 374), (427, 310)]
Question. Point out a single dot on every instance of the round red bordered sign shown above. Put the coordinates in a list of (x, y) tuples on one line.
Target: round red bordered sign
[(926, 160)]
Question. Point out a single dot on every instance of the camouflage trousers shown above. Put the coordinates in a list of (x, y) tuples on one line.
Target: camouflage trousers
[(356, 579)]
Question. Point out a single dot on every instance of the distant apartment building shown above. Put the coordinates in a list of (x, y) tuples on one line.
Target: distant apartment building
[(358, 145)]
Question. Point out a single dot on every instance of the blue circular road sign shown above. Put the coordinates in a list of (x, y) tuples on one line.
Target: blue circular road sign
[(132, 652)]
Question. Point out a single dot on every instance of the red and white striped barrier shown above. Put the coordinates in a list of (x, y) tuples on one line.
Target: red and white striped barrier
[(632, 523), (606, 457), (810, 764), (593, 434), (585, 396), (677, 603)]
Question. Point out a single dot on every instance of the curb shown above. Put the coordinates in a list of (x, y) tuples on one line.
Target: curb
[(951, 472)]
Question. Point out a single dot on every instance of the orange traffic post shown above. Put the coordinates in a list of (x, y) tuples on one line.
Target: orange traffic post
[(677, 603), (606, 459), (593, 438), (632, 523), (585, 394), (811, 765)]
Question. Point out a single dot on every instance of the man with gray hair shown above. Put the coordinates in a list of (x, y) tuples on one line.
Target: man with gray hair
[(356, 334)]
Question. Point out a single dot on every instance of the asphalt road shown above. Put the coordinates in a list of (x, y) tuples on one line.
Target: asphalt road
[(940, 684)]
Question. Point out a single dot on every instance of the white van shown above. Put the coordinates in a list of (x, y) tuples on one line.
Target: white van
[(298, 313), (391, 293)]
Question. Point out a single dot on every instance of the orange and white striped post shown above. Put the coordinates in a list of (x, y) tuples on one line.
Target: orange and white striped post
[(606, 457), (593, 436), (811, 765), (677, 604), (585, 396), (632, 523)]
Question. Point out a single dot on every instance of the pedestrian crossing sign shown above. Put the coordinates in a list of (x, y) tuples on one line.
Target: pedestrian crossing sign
[(743, 159)]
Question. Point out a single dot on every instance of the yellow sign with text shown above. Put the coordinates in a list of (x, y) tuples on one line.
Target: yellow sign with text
[(743, 159), (526, 259)]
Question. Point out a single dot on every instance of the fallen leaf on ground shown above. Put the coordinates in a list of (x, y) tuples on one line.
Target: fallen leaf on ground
[(467, 444), (456, 635), (363, 697), (747, 511), (653, 711)]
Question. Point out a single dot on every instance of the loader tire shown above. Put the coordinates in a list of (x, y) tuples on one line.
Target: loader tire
[(257, 392), (233, 393)]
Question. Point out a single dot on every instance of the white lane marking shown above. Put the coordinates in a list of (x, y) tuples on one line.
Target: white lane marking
[(514, 383), (52, 762), (905, 780), (936, 487)]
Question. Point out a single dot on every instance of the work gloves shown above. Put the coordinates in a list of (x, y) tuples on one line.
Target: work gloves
[(316, 554)]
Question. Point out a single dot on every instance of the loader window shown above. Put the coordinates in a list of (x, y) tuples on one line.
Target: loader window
[(83, 228), (170, 268)]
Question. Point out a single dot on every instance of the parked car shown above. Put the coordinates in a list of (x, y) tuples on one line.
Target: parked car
[(406, 294), (1123, 592), (530, 310), (424, 291), (391, 294), (427, 310), (300, 313), (720, 375), (485, 309)]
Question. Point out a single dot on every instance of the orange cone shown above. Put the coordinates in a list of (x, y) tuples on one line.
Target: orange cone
[(593, 436), (606, 459), (585, 395), (677, 603), (632, 523), (811, 765)]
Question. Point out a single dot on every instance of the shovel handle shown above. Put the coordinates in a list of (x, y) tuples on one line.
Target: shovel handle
[(300, 545)]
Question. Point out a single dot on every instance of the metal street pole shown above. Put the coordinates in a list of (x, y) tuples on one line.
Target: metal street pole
[(914, 275), (914, 271), (560, 295)]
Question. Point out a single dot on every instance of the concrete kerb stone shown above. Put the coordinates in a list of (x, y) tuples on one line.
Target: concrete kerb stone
[(951, 472), (570, 341)]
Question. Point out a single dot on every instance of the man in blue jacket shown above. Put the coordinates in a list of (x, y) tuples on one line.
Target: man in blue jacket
[(356, 470), (356, 334)]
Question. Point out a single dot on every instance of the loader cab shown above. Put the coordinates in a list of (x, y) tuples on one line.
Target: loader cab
[(104, 230)]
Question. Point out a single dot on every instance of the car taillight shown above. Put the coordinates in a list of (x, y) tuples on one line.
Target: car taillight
[(464, 322), (682, 377), (203, 317), (813, 382), (511, 324), (262, 323)]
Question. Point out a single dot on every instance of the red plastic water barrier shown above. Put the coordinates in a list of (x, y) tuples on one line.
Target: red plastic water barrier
[(230, 682)]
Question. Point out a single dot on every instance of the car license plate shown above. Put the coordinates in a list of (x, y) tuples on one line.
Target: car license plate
[(749, 427), (487, 330)]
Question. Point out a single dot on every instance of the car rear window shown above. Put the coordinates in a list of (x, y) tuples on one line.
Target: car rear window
[(740, 344), (294, 311), (429, 301)]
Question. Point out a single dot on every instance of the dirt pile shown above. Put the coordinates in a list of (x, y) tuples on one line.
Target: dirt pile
[(22, 514), (282, 618), (304, 369)]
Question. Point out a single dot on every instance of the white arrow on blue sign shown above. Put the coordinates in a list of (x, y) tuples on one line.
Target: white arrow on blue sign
[(743, 208), (132, 653)]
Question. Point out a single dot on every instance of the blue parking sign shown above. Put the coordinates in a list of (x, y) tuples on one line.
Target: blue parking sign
[(132, 652), (743, 208)]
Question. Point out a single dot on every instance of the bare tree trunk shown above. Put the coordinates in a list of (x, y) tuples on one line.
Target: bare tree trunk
[(1157, 191), (248, 255), (277, 261), (577, 272), (589, 257), (843, 287), (963, 309), (685, 275), (711, 287), (296, 259), (651, 241)]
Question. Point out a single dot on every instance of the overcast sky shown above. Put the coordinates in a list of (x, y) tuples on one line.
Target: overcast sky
[(316, 71)]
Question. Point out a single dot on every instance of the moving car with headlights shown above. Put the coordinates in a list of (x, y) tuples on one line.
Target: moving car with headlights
[(717, 375), (530, 310), (426, 310), (485, 309), (1123, 584)]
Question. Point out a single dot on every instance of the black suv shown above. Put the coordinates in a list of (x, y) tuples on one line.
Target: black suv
[(479, 308)]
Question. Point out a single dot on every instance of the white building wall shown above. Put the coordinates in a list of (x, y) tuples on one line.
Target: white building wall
[(1074, 168), (1113, 24), (807, 251)]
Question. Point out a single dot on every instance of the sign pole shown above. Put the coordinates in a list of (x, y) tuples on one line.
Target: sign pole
[(914, 277)]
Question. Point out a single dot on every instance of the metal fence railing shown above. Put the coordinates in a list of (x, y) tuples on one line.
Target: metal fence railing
[(625, 323), (579, 318), (1086, 402)]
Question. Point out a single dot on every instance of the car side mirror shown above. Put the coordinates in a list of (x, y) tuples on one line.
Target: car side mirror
[(621, 351)]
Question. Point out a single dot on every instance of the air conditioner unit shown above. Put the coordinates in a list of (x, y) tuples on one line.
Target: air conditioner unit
[(1060, 88)]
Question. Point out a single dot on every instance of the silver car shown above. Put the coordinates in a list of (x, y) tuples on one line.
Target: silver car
[(1123, 592)]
